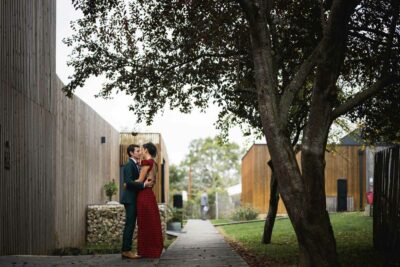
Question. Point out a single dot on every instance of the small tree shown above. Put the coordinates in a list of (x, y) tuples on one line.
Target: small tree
[(111, 189)]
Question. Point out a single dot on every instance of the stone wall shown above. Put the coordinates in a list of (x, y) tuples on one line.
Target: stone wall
[(105, 223)]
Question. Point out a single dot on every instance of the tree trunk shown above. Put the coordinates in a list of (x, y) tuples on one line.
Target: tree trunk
[(311, 223), (273, 207), (302, 191)]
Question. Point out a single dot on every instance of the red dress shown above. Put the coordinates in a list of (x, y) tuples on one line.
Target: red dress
[(149, 240)]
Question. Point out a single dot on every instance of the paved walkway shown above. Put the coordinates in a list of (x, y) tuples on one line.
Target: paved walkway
[(108, 260), (200, 245)]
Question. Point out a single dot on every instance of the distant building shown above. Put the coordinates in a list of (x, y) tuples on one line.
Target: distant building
[(355, 139), (235, 193), (345, 166)]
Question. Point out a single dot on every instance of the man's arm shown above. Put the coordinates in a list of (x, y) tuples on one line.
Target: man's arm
[(130, 182), (129, 179)]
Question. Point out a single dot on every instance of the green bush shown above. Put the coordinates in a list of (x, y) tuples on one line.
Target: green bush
[(111, 189), (244, 213), (174, 214), (191, 209)]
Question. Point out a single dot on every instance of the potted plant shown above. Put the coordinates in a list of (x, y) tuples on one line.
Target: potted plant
[(111, 189), (174, 222)]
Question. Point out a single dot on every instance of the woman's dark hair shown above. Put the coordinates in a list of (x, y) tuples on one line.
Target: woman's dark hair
[(151, 148), (131, 148)]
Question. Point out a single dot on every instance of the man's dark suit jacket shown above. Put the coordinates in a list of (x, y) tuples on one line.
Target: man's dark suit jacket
[(130, 190)]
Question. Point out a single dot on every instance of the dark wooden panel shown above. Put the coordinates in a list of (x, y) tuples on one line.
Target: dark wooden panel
[(386, 234)]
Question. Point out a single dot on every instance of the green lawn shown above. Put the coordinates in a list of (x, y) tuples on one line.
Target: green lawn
[(353, 233), (215, 221)]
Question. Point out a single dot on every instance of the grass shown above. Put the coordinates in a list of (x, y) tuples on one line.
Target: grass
[(215, 221), (91, 249), (353, 233)]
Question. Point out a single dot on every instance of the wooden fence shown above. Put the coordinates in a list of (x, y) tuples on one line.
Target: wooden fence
[(27, 122), (83, 165), (387, 200), (52, 161), (344, 162)]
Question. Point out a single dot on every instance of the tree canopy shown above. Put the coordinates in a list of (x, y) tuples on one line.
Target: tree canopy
[(177, 178), (184, 53)]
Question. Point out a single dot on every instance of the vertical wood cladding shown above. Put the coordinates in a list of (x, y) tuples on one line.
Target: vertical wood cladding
[(52, 163), (342, 163)]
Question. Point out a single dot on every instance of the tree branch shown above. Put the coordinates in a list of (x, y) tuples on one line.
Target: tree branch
[(386, 80), (363, 37), (297, 82), (273, 31), (367, 29), (203, 56), (392, 30), (246, 6), (247, 90), (362, 96), (322, 14), (340, 10), (299, 129)]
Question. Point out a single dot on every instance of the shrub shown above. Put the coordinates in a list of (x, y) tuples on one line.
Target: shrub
[(111, 189), (174, 214), (244, 213), (191, 209)]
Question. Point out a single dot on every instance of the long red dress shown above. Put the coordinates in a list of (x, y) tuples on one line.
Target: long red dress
[(149, 240)]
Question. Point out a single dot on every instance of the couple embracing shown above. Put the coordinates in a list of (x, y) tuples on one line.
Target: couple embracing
[(140, 203)]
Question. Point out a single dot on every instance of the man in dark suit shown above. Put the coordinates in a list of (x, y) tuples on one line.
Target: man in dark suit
[(129, 193)]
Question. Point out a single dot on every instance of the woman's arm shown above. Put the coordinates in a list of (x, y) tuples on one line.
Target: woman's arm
[(143, 172)]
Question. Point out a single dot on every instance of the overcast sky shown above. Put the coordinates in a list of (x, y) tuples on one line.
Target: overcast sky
[(176, 128)]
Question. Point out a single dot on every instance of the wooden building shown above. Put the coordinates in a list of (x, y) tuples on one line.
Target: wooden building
[(345, 162), (53, 158), (161, 189)]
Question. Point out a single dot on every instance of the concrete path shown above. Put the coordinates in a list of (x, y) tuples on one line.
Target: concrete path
[(199, 245), (108, 260)]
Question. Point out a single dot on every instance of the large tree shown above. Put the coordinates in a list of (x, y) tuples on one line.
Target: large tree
[(177, 177), (214, 165), (286, 64)]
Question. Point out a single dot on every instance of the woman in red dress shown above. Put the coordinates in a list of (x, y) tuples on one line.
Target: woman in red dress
[(150, 239)]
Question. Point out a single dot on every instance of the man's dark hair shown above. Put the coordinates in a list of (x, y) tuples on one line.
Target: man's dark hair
[(151, 148), (131, 148)]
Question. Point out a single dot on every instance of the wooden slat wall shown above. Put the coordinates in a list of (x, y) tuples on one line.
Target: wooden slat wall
[(83, 166), (27, 65), (256, 178), (256, 175), (141, 138), (127, 139), (344, 163), (57, 164)]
